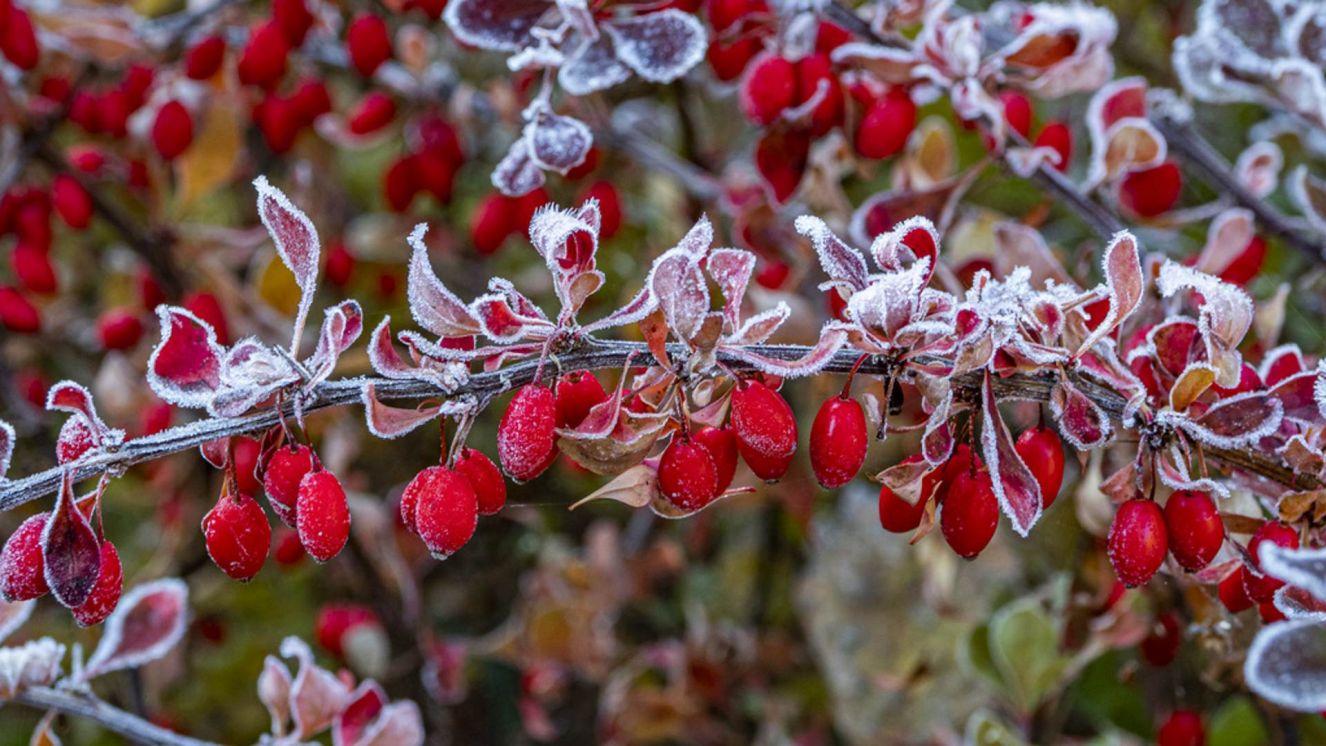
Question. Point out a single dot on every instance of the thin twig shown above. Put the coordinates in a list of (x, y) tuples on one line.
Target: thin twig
[(114, 719), (592, 355), (1184, 139)]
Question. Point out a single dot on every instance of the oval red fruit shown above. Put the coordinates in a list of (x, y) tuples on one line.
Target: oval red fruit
[(1137, 542), (721, 443), (17, 313), (1261, 588), (969, 514), (526, 441), (1232, 592), (22, 565), (105, 595), (1043, 452), (372, 113), (281, 477), (119, 329), (1153, 191), (486, 479), (492, 222), (886, 125), (769, 87), (322, 515), (368, 42), (838, 441), (172, 131), (1182, 728), (687, 475), (899, 516), (1194, 528), (204, 59), (71, 201), (263, 60), (765, 427), (577, 393), (1161, 645), (237, 535), (1017, 112), (446, 510)]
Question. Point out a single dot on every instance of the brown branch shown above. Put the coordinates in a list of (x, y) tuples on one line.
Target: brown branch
[(591, 355)]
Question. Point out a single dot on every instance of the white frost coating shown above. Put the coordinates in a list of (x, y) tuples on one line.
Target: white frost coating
[(592, 67), (831, 340), (839, 261), (480, 23), (35, 663), (1258, 168), (1123, 281), (1296, 603), (996, 444), (1305, 568), (432, 304), (679, 285), (296, 243), (732, 270), (1223, 320), (7, 438), (758, 328), (557, 142), (1286, 664), (517, 174), (388, 422), (660, 47), (887, 248), (1244, 437), (13, 615), (172, 595)]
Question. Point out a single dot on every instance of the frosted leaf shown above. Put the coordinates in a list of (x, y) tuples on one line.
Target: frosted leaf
[(1252, 24), (889, 64), (683, 295), (70, 549), (495, 24), (13, 615), (890, 302), (1227, 237), (698, 239), (233, 402), (185, 366), (296, 243), (1309, 194), (1258, 168), (1297, 397), (592, 67), (1083, 423), (1062, 50), (1212, 71), (1172, 468), (1239, 420), (34, 663), (370, 720), (732, 270), (1016, 487), (316, 694), (556, 142), (1124, 283), (813, 361), (388, 422), (1191, 384), (660, 47), (1297, 603), (517, 174), (840, 262), (1224, 318), (1280, 362), (1286, 664), (1303, 567), (366, 701), (274, 692), (432, 304), (249, 362), (1301, 88), (635, 309), (7, 439), (758, 328), (503, 323), (910, 241), (148, 622), (342, 325), (937, 443)]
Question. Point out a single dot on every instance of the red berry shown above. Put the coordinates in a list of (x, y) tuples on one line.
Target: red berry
[(1017, 112), (769, 87), (492, 222), (311, 100), (334, 621), (399, 184), (1059, 137), (1161, 645), (137, 80), (71, 201), (577, 393), (372, 113), (729, 60), (781, 157), (900, 516), (172, 132), (721, 443), (969, 514), (838, 442), (1194, 528), (150, 294), (368, 42), (340, 265), (1182, 728), (322, 515), (886, 125), (446, 510), (765, 427), (294, 20), (204, 59), (281, 478), (263, 60), (1137, 541), (22, 566), (244, 452), (435, 174), (813, 71), (1043, 453), (155, 417), (1153, 191), (105, 593), (33, 268), (526, 441), (119, 329), (1247, 264), (525, 207), (1232, 592), (279, 120), (773, 274), (1261, 588), (687, 475), (18, 40), (585, 167), (237, 535), (610, 207), (485, 478), (206, 307), (288, 551), (86, 158), (16, 313)]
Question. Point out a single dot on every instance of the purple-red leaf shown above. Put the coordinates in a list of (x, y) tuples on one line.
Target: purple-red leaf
[(185, 366), (148, 622), (1016, 487), (296, 243), (433, 306), (1123, 281), (495, 24), (660, 47), (386, 421), (842, 263), (70, 549), (316, 695), (1083, 424), (556, 142)]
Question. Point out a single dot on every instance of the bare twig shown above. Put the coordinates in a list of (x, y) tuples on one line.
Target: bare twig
[(591, 355), (114, 719), (1184, 139)]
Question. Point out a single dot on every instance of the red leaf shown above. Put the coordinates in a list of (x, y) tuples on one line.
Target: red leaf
[(386, 421), (1016, 487), (1084, 424), (1297, 396), (495, 24), (366, 702), (150, 619), (1124, 282), (557, 143), (731, 269), (296, 243), (185, 366), (70, 549), (840, 262), (433, 306), (681, 292)]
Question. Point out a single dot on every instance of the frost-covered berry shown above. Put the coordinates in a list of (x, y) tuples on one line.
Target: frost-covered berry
[(721, 443), (486, 479), (886, 125), (22, 566), (838, 441), (765, 427), (105, 594), (969, 514), (1261, 588), (237, 535), (1043, 452), (1194, 528), (322, 515), (1137, 541), (526, 441), (281, 477), (687, 476), (446, 510), (899, 516), (577, 393), (769, 87)]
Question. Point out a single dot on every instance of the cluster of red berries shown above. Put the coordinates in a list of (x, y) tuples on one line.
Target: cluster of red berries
[(499, 217), (1020, 117), (23, 573), (442, 504), (303, 495), (430, 166)]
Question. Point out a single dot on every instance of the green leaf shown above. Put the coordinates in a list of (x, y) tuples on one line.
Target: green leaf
[(985, 729), (1024, 645), (1236, 723)]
